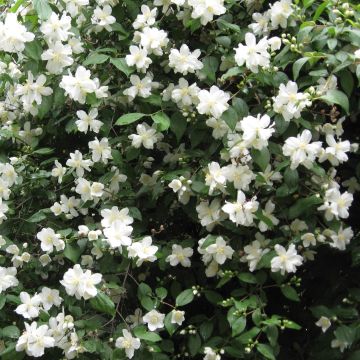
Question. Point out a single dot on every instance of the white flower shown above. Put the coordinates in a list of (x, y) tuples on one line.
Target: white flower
[(32, 92), (35, 339), (336, 151), (154, 320), (220, 250), (58, 171), (256, 130), (241, 212), (260, 26), (102, 18), (56, 29), (115, 215), (210, 354), (240, 175), (88, 121), (287, 260), (58, 57), (139, 58), (181, 186), (13, 35), (342, 238), (253, 54), (206, 9), (153, 40), (77, 162), (49, 239), (289, 102), (8, 278), (30, 306), (49, 297), (100, 150), (336, 204), (280, 12), (213, 102), (254, 253), (308, 239), (210, 214), (267, 212), (147, 17), (352, 185), (300, 150), (143, 250), (74, 6), (118, 234), (324, 323), (80, 283), (215, 177), (177, 317), (180, 255), (184, 61), (185, 95), (146, 136), (141, 87), (78, 86), (341, 344), (220, 128), (128, 343)]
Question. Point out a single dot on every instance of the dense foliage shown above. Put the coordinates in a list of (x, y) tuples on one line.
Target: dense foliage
[(178, 179)]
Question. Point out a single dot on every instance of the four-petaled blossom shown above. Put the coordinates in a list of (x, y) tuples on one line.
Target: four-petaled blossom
[(128, 343), (213, 102), (154, 320), (79, 283), (286, 260), (184, 61), (180, 255)]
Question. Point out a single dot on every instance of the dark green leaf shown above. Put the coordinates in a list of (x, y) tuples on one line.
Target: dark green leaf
[(129, 118), (101, 302)]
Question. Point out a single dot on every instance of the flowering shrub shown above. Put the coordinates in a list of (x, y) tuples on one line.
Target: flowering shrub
[(177, 179)]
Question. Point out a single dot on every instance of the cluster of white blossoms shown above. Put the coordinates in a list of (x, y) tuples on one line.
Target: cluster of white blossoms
[(58, 332), (116, 197)]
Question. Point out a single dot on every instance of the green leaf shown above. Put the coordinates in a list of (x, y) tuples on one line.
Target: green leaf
[(161, 120), (238, 326), (11, 332), (206, 329), (121, 65), (266, 350), (345, 334), (33, 50), (169, 326), (45, 106), (95, 58), (73, 251), (185, 297), (320, 10), (101, 302), (290, 293), (247, 278), (2, 301), (336, 97), (194, 344), (298, 64), (129, 118), (272, 334), (42, 8), (302, 205), (37, 217), (291, 178), (44, 151), (261, 158), (211, 64), (240, 107), (178, 126), (231, 118), (142, 333)]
